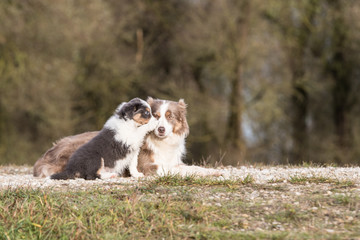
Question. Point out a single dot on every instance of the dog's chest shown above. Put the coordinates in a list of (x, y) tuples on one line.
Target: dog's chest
[(168, 152)]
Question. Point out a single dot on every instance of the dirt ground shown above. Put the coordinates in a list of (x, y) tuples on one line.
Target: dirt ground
[(313, 202)]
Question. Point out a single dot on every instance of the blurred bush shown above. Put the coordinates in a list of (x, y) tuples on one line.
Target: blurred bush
[(265, 81)]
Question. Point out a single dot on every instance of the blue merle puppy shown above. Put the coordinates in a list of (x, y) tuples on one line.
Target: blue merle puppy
[(116, 147)]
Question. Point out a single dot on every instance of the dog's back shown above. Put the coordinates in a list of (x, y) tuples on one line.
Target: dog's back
[(56, 158), (117, 145), (86, 161)]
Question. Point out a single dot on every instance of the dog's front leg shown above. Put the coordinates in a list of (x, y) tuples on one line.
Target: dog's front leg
[(133, 166)]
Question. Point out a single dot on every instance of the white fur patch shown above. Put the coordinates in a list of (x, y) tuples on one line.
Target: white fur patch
[(129, 133), (168, 152), (163, 122)]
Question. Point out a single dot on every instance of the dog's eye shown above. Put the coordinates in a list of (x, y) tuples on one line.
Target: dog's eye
[(169, 116), (147, 113)]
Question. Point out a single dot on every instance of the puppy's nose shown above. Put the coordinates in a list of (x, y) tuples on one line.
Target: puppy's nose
[(161, 129)]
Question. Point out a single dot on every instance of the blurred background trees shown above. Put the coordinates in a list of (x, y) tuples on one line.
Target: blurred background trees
[(265, 81)]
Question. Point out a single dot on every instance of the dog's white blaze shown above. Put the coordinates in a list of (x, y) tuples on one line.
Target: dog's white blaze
[(163, 122)]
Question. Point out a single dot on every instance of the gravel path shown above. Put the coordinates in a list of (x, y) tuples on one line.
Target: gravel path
[(21, 176)]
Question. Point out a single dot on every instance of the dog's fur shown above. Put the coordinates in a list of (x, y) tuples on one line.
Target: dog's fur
[(164, 148), (161, 153), (56, 158), (115, 147)]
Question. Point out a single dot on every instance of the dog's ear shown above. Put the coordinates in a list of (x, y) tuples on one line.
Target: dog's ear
[(149, 100), (126, 110), (182, 109), (137, 107), (182, 103)]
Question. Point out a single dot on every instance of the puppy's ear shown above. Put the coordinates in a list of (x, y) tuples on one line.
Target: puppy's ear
[(150, 100), (137, 107), (182, 103), (125, 111), (120, 110)]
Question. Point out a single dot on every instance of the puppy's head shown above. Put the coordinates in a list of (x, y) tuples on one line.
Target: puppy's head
[(171, 116), (137, 110)]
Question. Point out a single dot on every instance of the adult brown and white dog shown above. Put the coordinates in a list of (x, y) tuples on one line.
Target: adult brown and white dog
[(161, 153)]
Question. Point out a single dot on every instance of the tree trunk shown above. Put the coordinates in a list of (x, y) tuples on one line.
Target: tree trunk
[(340, 73), (299, 105), (300, 96), (340, 68), (234, 137), (234, 132)]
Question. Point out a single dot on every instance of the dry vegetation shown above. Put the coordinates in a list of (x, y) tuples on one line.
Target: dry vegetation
[(172, 207)]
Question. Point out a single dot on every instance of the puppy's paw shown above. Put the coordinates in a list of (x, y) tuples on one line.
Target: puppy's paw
[(152, 124), (108, 175)]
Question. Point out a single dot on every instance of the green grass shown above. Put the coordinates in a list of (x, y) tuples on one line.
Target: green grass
[(296, 179), (172, 207), (177, 180), (301, 180)]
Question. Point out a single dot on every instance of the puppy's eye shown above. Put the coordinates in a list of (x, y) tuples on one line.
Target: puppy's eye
[(147, 113)]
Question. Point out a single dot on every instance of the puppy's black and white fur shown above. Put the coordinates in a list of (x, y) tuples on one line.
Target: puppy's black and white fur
[(116, 147)]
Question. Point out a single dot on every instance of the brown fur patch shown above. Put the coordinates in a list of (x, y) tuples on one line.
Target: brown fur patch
[(150, 100), (146, 161), (155, 107), (139, 119), (178, 110), (56, 158), (102, 167)]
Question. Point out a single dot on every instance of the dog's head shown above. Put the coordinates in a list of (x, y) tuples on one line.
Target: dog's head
[(137, 110), (171, 116)]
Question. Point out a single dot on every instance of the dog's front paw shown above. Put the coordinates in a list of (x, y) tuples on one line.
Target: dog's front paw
[(108, 175)]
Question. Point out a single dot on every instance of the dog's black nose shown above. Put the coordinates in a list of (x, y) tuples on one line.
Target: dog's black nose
[(161, 129)]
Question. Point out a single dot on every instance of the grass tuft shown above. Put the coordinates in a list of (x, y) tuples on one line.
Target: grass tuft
[(296, 179), (192, 180)]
